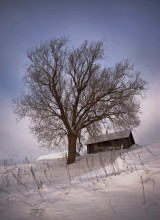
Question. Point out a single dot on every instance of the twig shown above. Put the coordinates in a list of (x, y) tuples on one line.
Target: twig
[(144, 199), (112, 208)]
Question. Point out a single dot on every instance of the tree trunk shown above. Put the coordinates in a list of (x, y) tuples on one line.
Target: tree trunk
[(72, 140)]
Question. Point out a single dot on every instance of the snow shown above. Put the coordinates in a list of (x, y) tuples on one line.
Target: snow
[(110, 185), (53, 156)]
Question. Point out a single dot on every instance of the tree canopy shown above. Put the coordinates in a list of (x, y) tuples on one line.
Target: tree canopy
[(68, 92)]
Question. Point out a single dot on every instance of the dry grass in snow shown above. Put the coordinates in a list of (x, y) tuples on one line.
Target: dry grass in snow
[(109, 185)]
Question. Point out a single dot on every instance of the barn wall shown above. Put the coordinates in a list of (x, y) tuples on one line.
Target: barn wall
[(109, 145)]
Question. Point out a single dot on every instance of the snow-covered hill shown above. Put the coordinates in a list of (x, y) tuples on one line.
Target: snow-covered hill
[(110, 185)]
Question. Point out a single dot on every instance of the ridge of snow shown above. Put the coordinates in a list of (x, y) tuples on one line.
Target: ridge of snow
[(51, 156)]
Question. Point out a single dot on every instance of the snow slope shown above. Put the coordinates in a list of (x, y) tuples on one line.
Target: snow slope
[(110, 185)]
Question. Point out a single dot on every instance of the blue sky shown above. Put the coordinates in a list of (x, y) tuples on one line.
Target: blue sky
[(131, 29)]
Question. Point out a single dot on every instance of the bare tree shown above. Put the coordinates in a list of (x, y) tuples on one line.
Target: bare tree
[(69, 92)]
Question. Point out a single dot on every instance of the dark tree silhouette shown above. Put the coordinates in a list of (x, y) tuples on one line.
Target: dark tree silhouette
[(69, 92)]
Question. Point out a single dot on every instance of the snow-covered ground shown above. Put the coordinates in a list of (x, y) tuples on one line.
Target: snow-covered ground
[(104, 186)]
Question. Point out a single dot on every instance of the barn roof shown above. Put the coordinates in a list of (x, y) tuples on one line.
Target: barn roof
[(109, 136)]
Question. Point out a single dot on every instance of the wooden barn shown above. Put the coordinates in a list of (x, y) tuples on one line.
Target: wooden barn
[(110, 141)]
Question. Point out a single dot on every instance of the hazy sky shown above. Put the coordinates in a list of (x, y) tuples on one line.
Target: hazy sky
[(131, 29)]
